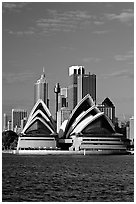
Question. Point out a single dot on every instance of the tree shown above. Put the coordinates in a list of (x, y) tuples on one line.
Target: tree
[(9, 137)]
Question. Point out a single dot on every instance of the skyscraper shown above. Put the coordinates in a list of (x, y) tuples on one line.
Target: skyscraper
[(74, 71), (86, 84), (131, 129), (41, 90), (57, 91), (108, 108), (9, 125), (23, 123), (17, 116), (5, 122), (63, 97), (80, 85), (62, 115)]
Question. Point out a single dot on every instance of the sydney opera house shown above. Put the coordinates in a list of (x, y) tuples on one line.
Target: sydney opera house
[(87, 129), (39, 131)]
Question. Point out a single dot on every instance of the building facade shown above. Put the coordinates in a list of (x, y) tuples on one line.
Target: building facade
[(9, 125), (41, 90), (5, 122), (63, 98), (80, 84), (62, 115), (74, 72), (23, 123), (131, 129), (17, 116), (86, 84), (109, 109)]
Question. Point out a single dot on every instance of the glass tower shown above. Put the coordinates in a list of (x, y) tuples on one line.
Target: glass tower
[(80, 85), (74, 72), (17, 116), (5, 122), (86, 85), (41, 90)]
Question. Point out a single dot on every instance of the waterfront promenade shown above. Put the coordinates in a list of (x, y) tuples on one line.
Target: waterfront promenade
[(64, 152)]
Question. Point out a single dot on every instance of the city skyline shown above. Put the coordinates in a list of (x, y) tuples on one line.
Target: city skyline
[(99, 36)]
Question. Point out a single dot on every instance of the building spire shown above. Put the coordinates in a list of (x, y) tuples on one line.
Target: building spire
[(43, 74)]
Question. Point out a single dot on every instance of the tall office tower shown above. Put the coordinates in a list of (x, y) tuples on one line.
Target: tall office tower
[(86, 85), (74, 72), (23, 123), (131, 130), (17, 116), (9, 125), (62, 115), (63, 98), (64, 92), (57, 91), (108, 108), (5, 122), (41, 90)]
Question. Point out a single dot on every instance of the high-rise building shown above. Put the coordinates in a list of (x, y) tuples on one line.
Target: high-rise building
[(80, 85), (41, 90), (86, 85), (57, 91), (78, 70), (9, 125), (74, 71), (64, 92), (63, 98), (62, 115), (5, 122), (23, 123), (17, 116), (109, 109), (131, 129)]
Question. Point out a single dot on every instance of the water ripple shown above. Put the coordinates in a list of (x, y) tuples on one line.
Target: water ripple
[(67, 178)]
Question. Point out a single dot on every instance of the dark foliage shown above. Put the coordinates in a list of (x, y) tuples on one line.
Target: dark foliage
[(9, 139)]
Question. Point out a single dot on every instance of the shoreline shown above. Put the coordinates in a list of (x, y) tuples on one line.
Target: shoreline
[(66, 152)]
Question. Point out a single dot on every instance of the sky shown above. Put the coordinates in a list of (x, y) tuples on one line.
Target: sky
[(57, 35)]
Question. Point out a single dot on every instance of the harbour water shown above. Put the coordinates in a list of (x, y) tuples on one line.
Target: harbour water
[(67, 178)]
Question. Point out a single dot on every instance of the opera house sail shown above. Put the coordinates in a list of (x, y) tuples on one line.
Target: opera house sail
[(40, 130), (90, 129)]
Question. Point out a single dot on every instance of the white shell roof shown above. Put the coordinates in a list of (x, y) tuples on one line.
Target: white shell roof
[(40, 119), (85, 122), (86, 100), (46, 119), (82, 115)]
